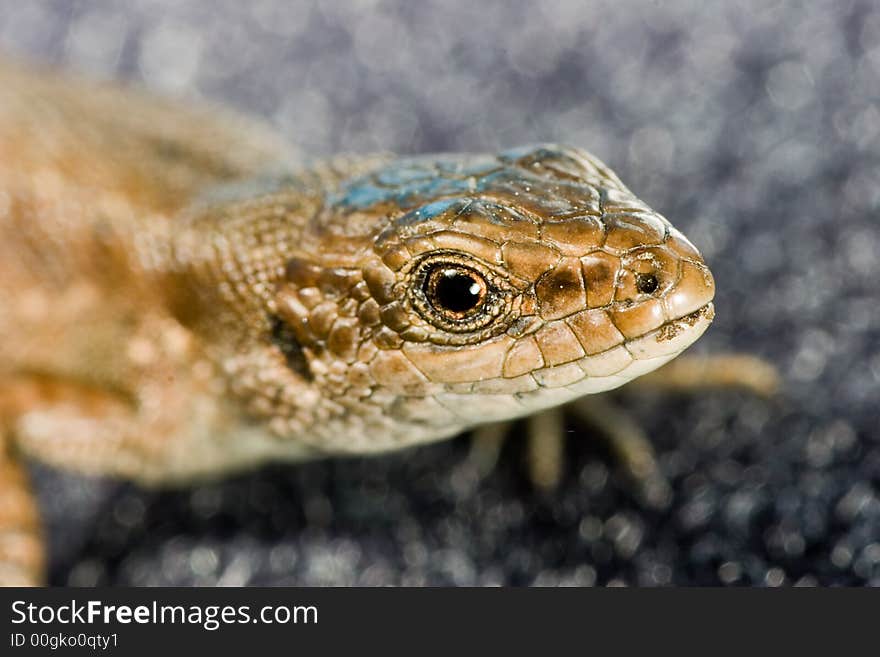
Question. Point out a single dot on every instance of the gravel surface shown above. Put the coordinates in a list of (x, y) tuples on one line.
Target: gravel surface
[(754, 126)]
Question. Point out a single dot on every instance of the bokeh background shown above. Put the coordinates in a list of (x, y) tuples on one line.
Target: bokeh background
[(754, 126)]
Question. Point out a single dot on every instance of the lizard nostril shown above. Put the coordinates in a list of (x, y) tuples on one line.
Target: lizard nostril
[(647, 283)]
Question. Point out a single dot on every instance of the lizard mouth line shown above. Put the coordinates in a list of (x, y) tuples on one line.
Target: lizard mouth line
[(674, 327), (672, 336)]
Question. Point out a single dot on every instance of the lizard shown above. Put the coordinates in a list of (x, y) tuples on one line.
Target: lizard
[(182, 298)]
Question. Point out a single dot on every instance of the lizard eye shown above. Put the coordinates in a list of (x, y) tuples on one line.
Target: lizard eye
[(456, 294), (454, 290)]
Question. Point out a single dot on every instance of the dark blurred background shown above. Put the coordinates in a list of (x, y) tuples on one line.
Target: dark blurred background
[(754, 126)]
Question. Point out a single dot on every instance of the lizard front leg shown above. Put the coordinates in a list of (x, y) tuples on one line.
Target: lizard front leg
[(91, 431), (162, 434), (22, 551), (68, 424), (22, 546)]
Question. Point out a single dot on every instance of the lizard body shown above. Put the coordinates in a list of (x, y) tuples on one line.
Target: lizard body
[(181, 300)]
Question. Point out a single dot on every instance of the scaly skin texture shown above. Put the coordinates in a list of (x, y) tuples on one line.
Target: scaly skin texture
[(181, 301)]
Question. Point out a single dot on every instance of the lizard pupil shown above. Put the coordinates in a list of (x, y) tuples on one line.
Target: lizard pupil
[(647, 283), (455, 291)]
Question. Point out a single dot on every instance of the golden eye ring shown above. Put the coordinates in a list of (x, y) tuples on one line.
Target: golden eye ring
[(455, 293)]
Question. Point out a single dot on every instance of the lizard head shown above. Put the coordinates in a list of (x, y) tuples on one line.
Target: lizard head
[(461, 289)]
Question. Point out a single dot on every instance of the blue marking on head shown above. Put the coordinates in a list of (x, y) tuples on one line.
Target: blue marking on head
[(438, 186), (411, 182), (431, 210), (362, 194)]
